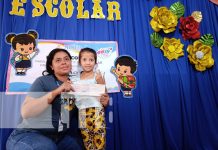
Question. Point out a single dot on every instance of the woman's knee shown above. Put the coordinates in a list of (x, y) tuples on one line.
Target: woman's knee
[(29, 141)]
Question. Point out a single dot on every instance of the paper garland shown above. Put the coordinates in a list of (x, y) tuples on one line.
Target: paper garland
[(199, 54)]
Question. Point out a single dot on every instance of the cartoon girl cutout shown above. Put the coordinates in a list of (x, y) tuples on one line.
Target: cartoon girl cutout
[(125, 67), (24, 46)]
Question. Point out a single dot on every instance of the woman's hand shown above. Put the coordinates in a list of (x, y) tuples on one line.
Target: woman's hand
[(65, 87), (104, 99), (99, 78)]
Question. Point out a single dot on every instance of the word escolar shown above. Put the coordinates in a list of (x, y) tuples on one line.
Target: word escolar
[(66, 9)]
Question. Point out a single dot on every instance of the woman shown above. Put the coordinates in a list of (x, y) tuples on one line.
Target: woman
[(46, 123)]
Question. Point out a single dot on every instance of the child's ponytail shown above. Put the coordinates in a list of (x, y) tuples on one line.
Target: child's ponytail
[(34, 34), (10, 38)]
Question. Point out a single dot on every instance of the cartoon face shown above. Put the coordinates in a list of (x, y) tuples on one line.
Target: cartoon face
[(87, 61), (61, 63), (24, 49), (123, 70)]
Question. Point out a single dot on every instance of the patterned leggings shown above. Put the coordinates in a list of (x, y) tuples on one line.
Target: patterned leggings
[(92, 125)]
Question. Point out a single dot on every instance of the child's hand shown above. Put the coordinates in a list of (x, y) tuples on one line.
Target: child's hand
[(18, 58), (36, 50), (65, 87), (113, 70), (99, 78), (104, 99)]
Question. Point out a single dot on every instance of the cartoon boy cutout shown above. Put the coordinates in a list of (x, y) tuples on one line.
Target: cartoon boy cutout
[(125, 67), (24, 46)]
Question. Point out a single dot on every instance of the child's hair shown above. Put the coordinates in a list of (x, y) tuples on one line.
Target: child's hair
[(23, 38), (90, 50), (50, 57), (127, 61)]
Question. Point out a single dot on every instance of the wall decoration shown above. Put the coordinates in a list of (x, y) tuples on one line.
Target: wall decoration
[(166, 19), (200, 53), (107, 52), (125, 67), (171, 47), (24, 49)]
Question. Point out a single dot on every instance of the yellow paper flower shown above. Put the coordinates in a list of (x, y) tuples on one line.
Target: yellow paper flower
[(172, 48), (200, 55), (163, 18)]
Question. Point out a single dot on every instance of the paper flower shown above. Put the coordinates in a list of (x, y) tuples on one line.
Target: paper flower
[(172, 48), (178, 9), (200, 55), (156, 39), (189, 27), (207, 39), (163, 18), (197, 16)]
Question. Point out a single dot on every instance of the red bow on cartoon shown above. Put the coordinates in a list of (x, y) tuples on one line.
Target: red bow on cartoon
[(214, 1)]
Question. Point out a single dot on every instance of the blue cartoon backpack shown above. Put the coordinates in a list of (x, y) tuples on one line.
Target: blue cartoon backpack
[(12, 61)]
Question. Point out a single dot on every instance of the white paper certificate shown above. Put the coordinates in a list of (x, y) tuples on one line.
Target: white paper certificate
[(88, 89)]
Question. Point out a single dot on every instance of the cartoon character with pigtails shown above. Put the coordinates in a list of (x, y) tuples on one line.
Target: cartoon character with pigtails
[(24, 46)]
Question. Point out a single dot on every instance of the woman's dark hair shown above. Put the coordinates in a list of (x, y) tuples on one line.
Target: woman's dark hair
[(127, 61), (24, 38), (50, 57), (90, 50)]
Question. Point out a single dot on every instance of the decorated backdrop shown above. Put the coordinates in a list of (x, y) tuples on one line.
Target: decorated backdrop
[(107, 52), (175, 103)]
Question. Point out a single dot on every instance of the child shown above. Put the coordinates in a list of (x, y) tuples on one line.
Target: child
[(91, 118), (24, 46), (125, 68)]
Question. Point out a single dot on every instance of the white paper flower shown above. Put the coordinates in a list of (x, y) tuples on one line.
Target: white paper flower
[(199, 54)]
